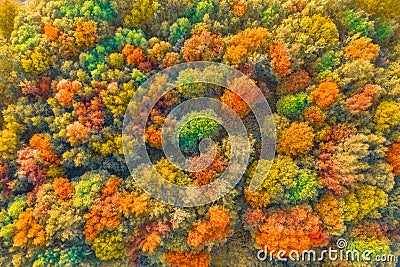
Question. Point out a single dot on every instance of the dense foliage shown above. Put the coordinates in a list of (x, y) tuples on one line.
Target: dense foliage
[(68, 69)]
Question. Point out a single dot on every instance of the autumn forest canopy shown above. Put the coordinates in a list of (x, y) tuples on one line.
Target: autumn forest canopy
[(330, 71)]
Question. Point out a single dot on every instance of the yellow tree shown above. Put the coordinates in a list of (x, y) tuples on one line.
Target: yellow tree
[(9, 9), (9, 68), (142, 11), (385, 9)]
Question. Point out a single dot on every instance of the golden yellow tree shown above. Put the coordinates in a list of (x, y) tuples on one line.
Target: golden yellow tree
[(9, 9)]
